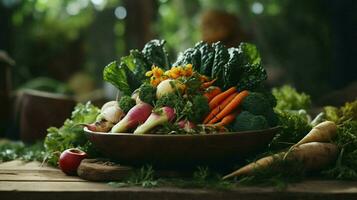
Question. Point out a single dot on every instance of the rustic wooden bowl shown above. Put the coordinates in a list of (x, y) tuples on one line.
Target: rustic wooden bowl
[(181, 151)]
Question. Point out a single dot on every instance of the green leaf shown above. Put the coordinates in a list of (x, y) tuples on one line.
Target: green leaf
[(156, 54), (221, 57)]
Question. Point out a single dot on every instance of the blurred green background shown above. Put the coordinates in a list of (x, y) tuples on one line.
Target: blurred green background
[(308, 44)]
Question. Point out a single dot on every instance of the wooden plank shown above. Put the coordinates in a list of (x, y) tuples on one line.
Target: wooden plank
[(88, 191), (21, 165), (36, 175)]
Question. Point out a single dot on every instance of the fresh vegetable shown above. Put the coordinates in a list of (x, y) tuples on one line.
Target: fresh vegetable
[(218, 108), (256, 103), (227, 119), (221, 97), (289, 99), (231, 106), (147, 93), (323, 132), (70, 159), (70, 135), (136, 115), (158, 117), (100, 126), (294, 126), (126, 103), (186, 125), (171, 100), (199, 109), (345, 167), (155, 53), (348, 112), (208, 84), (168, 86), (111, 112), (211, 92), (246, 121), (221, 57), (313, 155)]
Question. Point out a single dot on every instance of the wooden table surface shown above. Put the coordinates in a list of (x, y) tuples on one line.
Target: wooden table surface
[(19, 180)]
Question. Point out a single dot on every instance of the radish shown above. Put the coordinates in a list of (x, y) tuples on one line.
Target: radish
[(100, 126), (111, 112), (314, 156), (186, 125), (168, 86), (159, 117), (136, 115)]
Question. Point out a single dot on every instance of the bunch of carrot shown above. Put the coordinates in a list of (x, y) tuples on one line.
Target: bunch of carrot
[(223, 105)]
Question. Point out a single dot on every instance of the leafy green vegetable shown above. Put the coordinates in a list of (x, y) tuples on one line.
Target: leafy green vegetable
[(17, 150), (198, 109), (253, 72), (71, 134), (190, 56), (172, 100), (221, 57), (207, 58), (294, 126), (289, 99), (246, 121), (346, 164), (136, 63), (126, 103), (233, 69), (121, 77), (256, 103), (348, 112), (147, 93), (155, 54)]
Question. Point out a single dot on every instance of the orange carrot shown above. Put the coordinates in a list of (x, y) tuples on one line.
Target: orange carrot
[(209, 83), (217, 109), (220, 98), (230, 107), (227, 119), (211, 92)]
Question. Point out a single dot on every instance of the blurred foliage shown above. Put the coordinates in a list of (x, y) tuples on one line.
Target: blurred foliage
[(293, 37), (296, 38)]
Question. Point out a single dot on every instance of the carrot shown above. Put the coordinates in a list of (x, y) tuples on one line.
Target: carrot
[(220, 98), (313, 155), (209, 83), (227, 119), (211, 92), (217, 109), (230, 107), (322, 132)]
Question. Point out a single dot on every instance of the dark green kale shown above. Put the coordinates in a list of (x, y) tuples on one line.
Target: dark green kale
[(126, 103), (207, 58), (221, 57), (253, 72), (156, 54), (233, 69), (147, 93), (190, 56), (246, 121)]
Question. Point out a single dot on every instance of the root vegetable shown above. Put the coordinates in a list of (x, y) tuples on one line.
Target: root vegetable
[(313, 155), (218, 109), (168, 86), (323, 132), (232, 105), (161, 116), (137, 115), (221, 97)]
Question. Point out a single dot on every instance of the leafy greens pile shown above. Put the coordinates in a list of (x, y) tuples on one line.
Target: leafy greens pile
[(240, 67), (71, 134)]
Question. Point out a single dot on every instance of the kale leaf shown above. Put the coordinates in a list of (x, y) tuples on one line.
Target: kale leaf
[(221, 57), (156, 54), (207, 58)]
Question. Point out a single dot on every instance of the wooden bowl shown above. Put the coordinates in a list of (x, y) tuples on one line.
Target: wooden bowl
[(181, 151)]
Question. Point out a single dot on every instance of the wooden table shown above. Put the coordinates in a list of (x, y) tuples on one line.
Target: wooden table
[(20, 180)]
